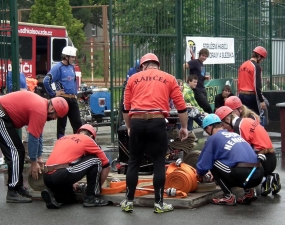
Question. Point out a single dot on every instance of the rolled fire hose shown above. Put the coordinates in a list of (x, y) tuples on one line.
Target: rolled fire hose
[(180, 175)]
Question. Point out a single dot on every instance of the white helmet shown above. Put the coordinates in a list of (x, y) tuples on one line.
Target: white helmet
[(69, 50)]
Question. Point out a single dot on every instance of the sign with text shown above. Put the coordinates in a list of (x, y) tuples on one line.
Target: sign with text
[(222, 50)]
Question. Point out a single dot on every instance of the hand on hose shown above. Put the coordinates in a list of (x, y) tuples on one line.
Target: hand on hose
[(206, 178), (35, 170)]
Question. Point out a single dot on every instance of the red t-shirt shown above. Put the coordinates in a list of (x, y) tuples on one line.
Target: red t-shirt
[(71, 147), (253, 133), (26, 108), (151, 90)]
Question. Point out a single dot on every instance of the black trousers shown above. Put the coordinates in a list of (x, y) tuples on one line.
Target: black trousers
[(251, 102), (13, 150), (201, 98), (73, 116), (269, 164), (61, 181), (228, 177), (150, 137)]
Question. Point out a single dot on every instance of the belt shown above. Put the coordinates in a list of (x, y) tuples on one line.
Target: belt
[(68, 95), (55, 167), (3, 110), (248, 165), (265, 151), (247, 92), (147, 116)]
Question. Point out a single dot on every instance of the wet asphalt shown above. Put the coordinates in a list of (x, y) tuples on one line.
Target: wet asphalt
[(265, 210)]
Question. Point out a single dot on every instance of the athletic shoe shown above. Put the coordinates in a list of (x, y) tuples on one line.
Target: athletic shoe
[(127, 206), (228, 199), (91, 201), (49, 199), (24, 192), (276, 185), (249, 196), (266, 186), (14, 197), (161, 208)]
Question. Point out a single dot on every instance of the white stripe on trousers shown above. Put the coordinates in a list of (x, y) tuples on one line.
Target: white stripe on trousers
[(14, 152), (86, 164), (222, 166)]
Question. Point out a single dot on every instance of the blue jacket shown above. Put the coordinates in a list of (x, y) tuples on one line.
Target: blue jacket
[(64, 77), (23, 83), (226, 147)]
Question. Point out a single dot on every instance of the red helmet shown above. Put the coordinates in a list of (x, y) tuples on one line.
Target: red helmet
[(89, 128), (223, 111), (149, 57), (261, 51), (233, 102), (60, 106)]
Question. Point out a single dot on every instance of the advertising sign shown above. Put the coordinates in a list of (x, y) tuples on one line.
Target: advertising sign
[(221, 50)]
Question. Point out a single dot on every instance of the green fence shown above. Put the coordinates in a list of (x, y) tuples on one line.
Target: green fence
[(9, 43), (161, 27)]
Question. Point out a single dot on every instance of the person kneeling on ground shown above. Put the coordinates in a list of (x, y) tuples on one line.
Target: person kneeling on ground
[(230, 160), (73, 157), (255, 134)]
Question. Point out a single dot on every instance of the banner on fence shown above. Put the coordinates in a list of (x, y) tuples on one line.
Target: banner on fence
[(215, 86), (222, 50)]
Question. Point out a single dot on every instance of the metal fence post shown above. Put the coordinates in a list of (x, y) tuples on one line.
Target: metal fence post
[(14, 45), (179, 43), (217, 34)]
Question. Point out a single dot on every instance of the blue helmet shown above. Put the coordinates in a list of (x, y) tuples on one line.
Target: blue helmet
[(137, 64), (210, 119)]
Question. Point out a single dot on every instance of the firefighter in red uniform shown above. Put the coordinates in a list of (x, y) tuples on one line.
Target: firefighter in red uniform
[(18, 109), (73, 157), (146, 104), (249, 81), (258, 138)]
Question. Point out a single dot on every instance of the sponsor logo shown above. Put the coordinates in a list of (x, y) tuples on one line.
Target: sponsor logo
[(34, 31)]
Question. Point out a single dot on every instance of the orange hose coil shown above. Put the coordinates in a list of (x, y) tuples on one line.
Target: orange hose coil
[(182, 177)]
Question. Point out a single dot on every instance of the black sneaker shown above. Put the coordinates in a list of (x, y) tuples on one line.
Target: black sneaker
[(49, 199), (276, 185), (24, 192), (14, 197), (91, 201), (266, 186)]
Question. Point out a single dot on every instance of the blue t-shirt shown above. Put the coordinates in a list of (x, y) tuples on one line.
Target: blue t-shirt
[(226, 147), (23, 83), (64, 77)]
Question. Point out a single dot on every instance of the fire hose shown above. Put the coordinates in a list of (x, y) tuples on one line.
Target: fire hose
[(180, 180)]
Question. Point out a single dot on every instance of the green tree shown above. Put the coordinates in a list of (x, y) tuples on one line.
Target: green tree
[(59, 13), (152, 25)]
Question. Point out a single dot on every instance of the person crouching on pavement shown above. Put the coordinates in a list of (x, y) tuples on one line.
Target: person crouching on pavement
[(229, 159), (19, 109), (258, 138), (73, 157), (146, 104)]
